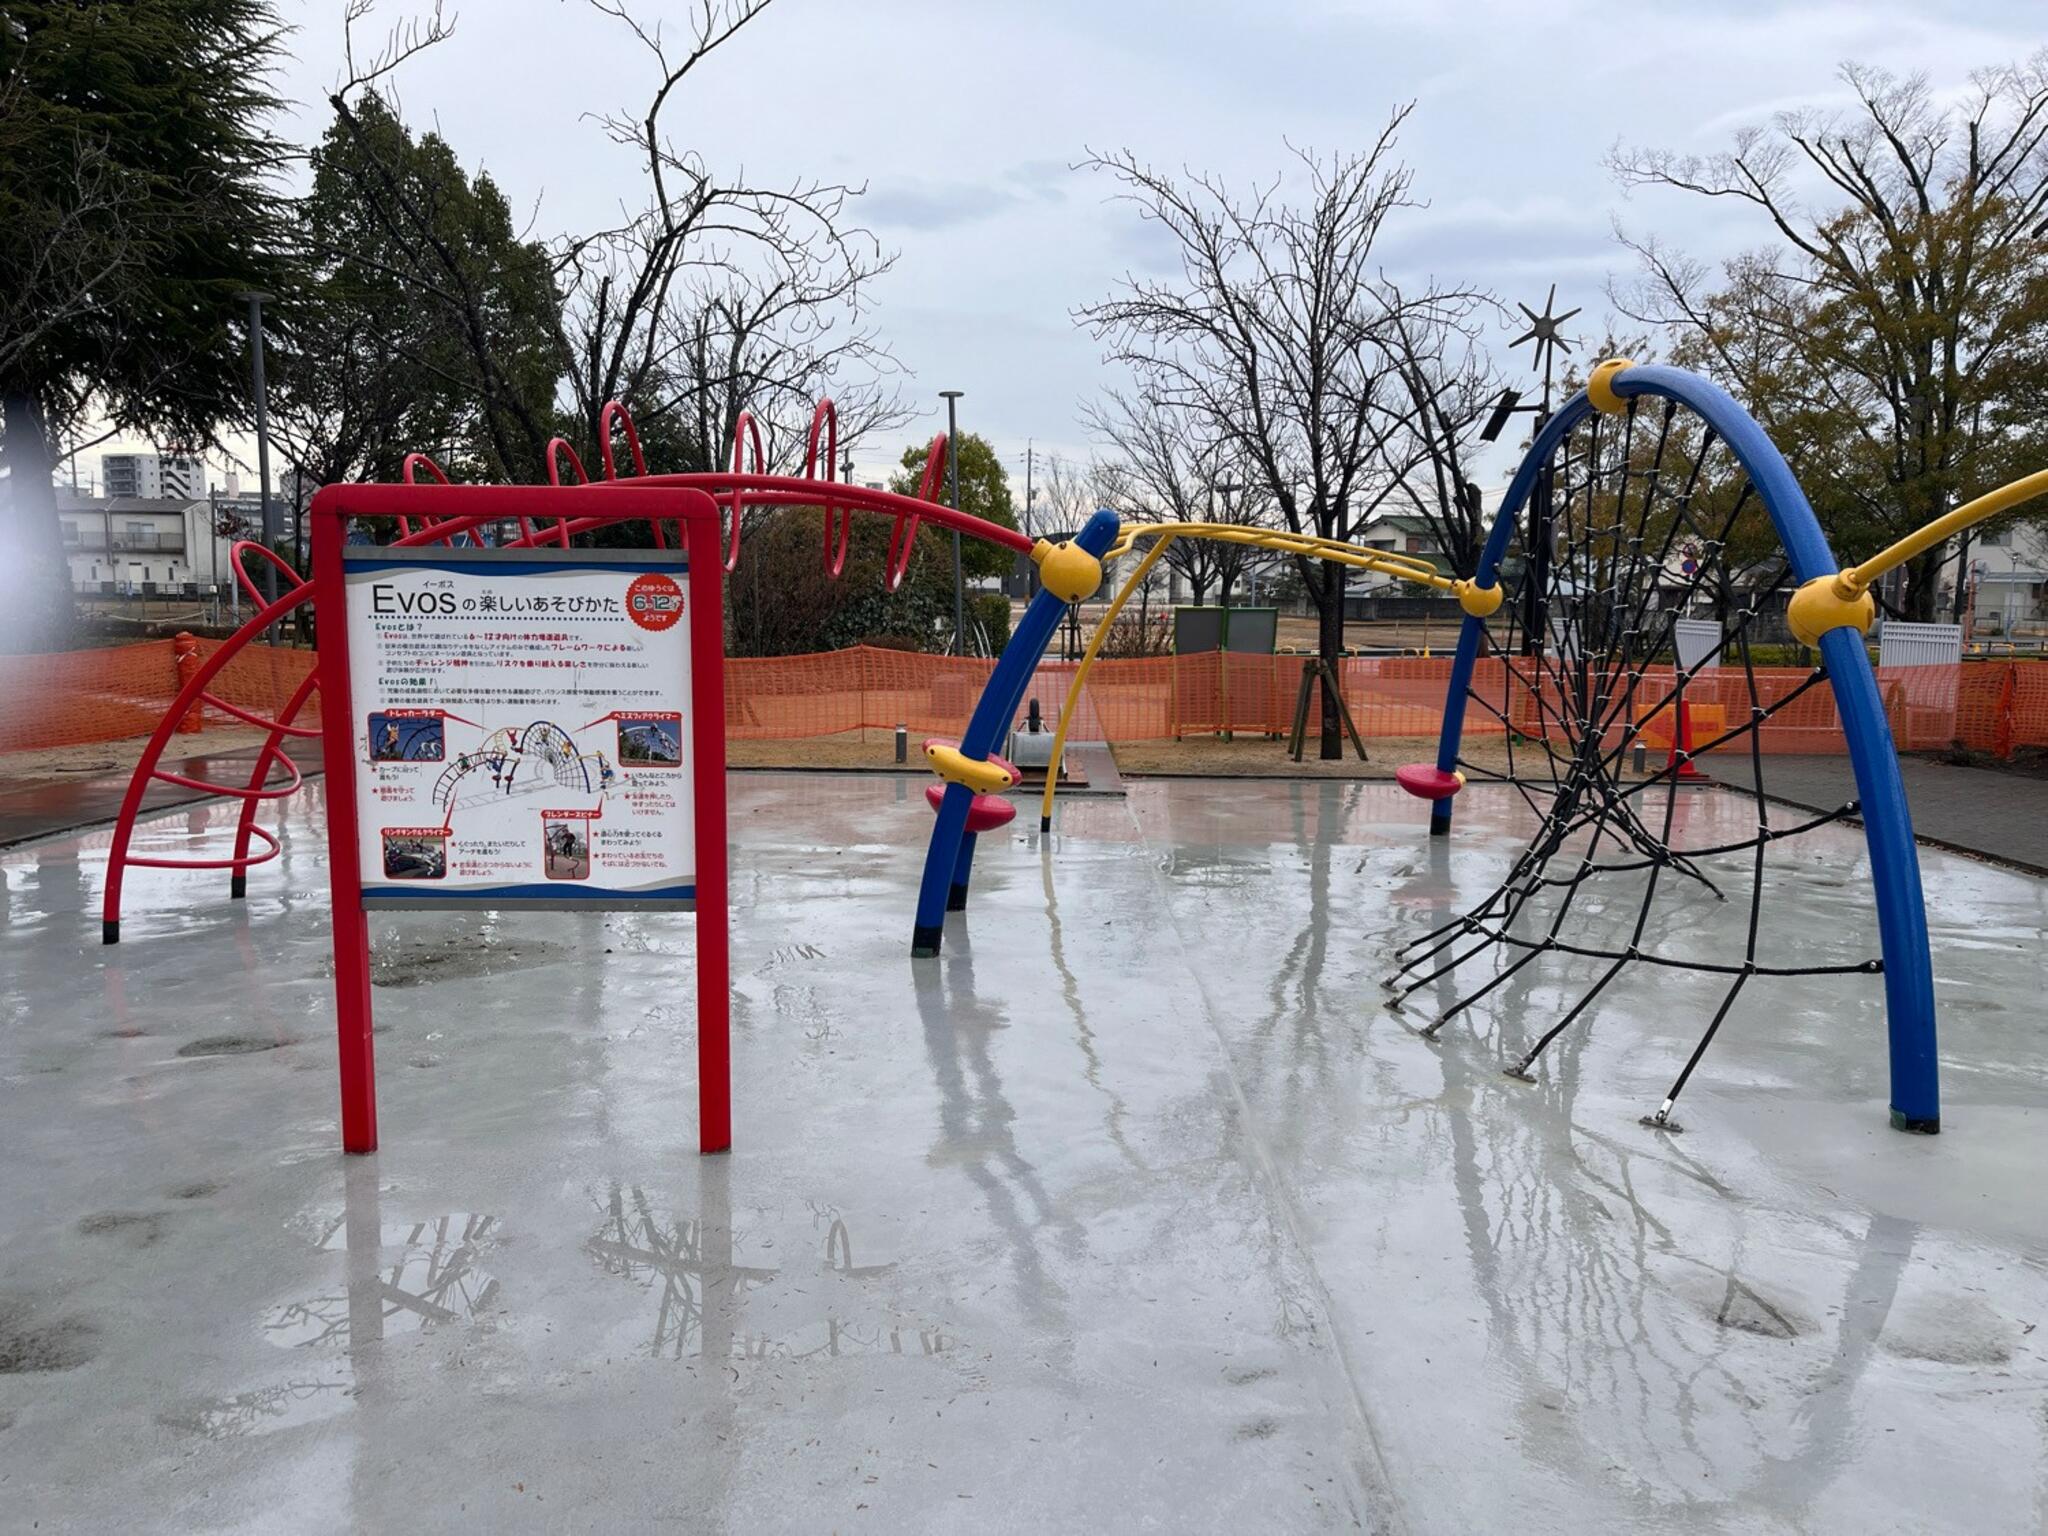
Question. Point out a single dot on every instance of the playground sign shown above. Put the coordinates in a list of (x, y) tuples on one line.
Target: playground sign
[(528, 725), (519, 720)]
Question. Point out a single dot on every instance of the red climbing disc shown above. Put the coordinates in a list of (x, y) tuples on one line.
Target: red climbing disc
[(984, 814), (1427, 782)]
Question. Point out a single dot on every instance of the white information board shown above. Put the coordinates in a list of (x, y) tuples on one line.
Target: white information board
[(520, 729)]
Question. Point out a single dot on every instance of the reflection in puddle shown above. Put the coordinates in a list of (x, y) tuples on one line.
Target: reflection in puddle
[(701, 1269), (433, 1279), (263, 1411)]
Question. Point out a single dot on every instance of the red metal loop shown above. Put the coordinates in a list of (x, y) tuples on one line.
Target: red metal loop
[(556, 447), (934, 468), (904, 534), (242, 576), (412, 460), (615, 412), (827, 417), (745, 433), (258, 721), (239, 861), (239, 792)]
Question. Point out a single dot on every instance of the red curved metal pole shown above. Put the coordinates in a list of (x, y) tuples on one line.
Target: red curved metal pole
[(118, 857), (273, 749), (615, 412), (242, 576), (556, 447), (744, 432), (561, 445), (826, 419), (905, 531), (405, 477)]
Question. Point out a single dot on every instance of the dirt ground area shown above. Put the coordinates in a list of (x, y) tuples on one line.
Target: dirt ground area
[(1198, 757), (1257, 758), (869, 748), (61, 763)]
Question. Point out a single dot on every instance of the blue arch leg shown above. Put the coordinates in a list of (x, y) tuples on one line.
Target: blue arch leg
[(963, 867), (1895, 884), (948, 859), (1448, 744)]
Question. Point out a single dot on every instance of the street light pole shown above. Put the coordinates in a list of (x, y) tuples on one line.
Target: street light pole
[(952, 397), (270, 530), (1226, 488)]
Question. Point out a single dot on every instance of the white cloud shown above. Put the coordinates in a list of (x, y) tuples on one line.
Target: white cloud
[(964, 119)]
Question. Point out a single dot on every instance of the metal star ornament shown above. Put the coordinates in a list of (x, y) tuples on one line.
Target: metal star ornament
[(1543, 330)]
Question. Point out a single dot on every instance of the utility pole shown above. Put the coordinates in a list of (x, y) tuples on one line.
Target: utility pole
[(1226, 488), (1030, 528), (952, 398), (1962, 594), (846, 468), (270, 530)]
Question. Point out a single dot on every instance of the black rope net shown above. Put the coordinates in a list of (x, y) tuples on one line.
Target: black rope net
[(1627, 632)]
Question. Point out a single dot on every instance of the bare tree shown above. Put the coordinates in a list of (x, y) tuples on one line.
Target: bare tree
[(1064, 495), (720, 294), (1448, 385), (418, 240), (1893, 336), (1274, 336), (1157, 467)]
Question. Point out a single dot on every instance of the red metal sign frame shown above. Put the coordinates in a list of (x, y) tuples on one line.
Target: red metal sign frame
[(456, 510)]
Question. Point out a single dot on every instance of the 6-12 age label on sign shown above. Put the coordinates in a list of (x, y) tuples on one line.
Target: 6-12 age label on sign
[(520, 726)]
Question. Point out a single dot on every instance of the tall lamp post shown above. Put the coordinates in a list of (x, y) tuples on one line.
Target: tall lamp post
[(270, 529), (952, 397), (1227, 488)]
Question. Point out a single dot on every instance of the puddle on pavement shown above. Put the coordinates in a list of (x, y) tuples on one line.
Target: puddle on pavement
[(322, 1392), (404, 962), (699, 1272), (418, 1275)]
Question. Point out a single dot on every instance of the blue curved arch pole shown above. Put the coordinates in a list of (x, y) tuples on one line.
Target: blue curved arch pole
[(949, 860), (1887, 822)]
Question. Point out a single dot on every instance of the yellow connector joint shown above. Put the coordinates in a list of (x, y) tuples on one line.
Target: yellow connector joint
[(1069, 572), (1600, 387), (1830, 602), (956, 767), (1480, 602)]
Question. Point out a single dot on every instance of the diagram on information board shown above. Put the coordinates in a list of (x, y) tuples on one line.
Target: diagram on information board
[(521, 760)]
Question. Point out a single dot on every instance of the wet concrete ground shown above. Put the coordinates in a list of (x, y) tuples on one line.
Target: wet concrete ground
[(1137, 1210), (1996, 813), (38, 807)]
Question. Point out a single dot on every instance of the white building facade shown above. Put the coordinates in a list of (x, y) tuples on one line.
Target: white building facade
[(144, 546), (152, 476), (2008, 577)]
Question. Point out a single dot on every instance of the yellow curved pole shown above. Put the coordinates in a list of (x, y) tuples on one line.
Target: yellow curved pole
[(1059, 738), (1859, 579), (1281, 541)]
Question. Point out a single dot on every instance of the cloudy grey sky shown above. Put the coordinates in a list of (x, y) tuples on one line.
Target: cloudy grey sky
[(963, 118)]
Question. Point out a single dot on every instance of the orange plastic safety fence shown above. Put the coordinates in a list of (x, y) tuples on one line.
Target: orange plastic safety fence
[(74, 698), (80, 697)]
